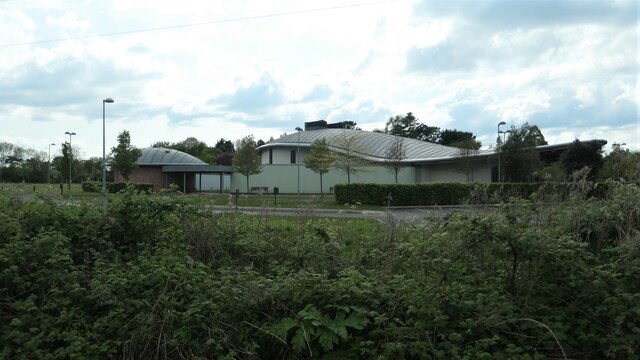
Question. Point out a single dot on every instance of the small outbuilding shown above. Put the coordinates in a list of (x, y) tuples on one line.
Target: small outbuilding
[(164, 167)]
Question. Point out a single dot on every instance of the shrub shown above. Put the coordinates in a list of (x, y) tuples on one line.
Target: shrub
[(459, 193), (91, 186), (117, 187)]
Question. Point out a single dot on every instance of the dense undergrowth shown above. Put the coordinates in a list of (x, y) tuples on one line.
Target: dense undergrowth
[(158, 277)]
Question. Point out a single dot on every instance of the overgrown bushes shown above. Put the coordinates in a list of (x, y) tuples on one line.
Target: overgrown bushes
[(162, 277), (428, 194), (96, 186)]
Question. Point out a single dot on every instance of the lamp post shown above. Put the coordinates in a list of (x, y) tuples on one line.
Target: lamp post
[(70, 156), (499, 151), (298, 129), (49, 169), (104, 164)]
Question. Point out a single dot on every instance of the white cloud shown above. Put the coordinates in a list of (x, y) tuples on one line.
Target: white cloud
[(571, 69)]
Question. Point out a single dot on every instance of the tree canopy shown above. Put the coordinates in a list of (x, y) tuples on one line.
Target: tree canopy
[(320, 159), (580, 155), (409, 127), (124, 156), (519, 159), (246, 160)]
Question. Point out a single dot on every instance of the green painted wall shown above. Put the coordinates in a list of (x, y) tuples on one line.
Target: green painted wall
[(285, 177)]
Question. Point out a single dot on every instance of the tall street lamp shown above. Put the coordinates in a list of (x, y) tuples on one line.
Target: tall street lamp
[(298, 129), (499, 151), (70, 156), (49, 169), (104, 164)]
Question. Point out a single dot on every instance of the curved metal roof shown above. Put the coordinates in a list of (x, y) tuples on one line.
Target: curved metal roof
[(373, 145), (162, 156)]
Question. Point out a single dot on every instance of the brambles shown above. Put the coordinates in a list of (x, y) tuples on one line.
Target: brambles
[(154, 276)]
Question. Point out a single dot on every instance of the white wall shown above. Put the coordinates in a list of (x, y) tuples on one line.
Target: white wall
[(455, 172), (211, 182), (282, 156)]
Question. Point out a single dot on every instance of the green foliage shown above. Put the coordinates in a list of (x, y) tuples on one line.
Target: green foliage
[(437, 193), (92, 186), (519, 159), (164, 277), (320, 159), (580, 155), (124, 156), (246, 160), (621, 164), (408, 126), (117, 187)]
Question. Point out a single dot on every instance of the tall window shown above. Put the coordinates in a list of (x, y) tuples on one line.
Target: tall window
[(293, 156), (270, 156)]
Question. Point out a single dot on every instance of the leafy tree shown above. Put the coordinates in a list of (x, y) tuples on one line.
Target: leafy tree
[(519, 158), (409, 127), (225, 145), (161, 144), (225, 158), (92, 168), (395, 156), (63, 165), (348, 161), (468, 148), (124, 156), (246, 160), (320, 159), (6, 150), (350, 125), (260, 142), (451, 137), (580, 155), (621, 164)]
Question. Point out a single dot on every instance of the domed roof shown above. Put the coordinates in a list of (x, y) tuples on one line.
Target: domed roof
[(371, 145), (162, 156)]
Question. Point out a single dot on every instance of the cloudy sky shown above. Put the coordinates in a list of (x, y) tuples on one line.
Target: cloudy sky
[(226, 69)]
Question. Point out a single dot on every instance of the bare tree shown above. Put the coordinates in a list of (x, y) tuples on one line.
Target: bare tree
[(467, 149), (349, 160), (395, 156)]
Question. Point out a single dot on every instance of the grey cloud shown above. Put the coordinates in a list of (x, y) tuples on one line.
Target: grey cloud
[(318, 93), (266, 92), (534, 13), (364, 112), (67, 84), (453, 54)]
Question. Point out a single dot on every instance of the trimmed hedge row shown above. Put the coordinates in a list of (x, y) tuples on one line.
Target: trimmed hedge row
[(96, 186), (458, 193)]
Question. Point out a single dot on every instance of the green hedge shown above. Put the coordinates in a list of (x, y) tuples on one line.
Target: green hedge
[(91, 186), (96, 186), (459, 193)]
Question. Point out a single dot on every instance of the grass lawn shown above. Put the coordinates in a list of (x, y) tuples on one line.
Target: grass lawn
[(254, 200), (282, 201), (43, 190)]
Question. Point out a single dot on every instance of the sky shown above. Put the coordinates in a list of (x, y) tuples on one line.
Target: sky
[(227, 69)]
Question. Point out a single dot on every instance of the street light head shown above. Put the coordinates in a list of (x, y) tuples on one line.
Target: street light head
[(108, 100), (69, 133), (298, 128), (502, 123)]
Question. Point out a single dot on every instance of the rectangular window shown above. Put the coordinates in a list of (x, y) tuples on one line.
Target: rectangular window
[(293, 156), (270, 156)]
